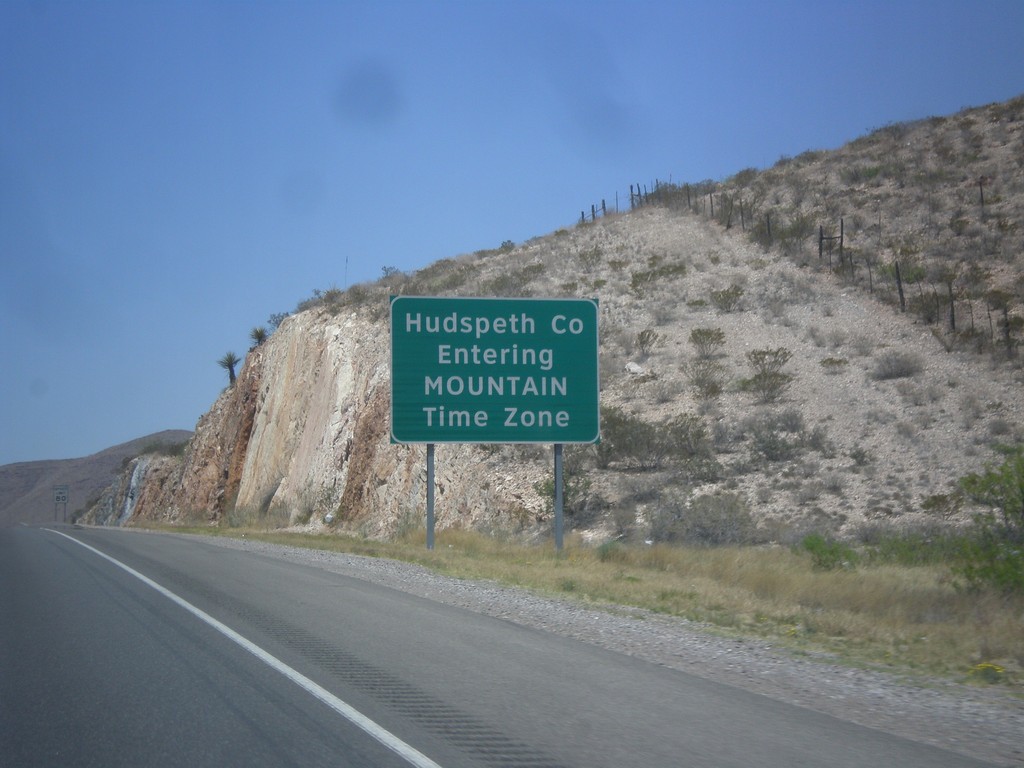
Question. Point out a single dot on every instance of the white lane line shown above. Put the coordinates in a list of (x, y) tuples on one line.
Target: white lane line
[(354, 716)]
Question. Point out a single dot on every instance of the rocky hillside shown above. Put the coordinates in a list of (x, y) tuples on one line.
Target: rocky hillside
[(26, 488), (761, 378)]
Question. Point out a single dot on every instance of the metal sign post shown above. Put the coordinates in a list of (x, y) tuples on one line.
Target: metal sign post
[(482, 370), (430, 495), (559, 524)]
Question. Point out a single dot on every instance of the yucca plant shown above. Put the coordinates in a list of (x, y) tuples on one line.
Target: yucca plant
[(228, 363)]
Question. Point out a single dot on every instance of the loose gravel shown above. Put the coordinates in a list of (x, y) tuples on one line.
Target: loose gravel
[(984, 723)]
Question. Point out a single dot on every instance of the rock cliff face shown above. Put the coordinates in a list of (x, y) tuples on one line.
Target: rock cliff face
[(303, 433)]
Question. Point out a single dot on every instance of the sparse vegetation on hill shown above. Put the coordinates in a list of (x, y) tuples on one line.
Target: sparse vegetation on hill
[(925, 215)]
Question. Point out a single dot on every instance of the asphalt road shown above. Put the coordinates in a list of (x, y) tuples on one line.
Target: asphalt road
[(245, 660)]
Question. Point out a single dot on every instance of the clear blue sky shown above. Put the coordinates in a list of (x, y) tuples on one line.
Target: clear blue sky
[(171, 173)]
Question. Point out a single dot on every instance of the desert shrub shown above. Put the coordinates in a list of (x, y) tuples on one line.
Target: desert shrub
[(828, 554), (640, 281), (623, 519), (637, 444), (666, 391), (768, 382), (580, 505), (929, 545), (707, 341), (790, 234), (774, 437), (993, 553), (311, 302), (760, 231), (817, 439), (943, 505), (629, 440), (612, 552), (646, 340), (767, 387), (789, 420), (589, 258), (440, 277), (861, 456), (706, 520), (687, 435), (727, 299), (690, 448), (768, 360), (515, 282), (896, 365), (834, 365), (707, 377)]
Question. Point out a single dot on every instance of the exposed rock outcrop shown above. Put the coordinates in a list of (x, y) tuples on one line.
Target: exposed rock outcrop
[(304, 432)]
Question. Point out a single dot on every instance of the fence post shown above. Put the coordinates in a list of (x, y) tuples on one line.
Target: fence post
[(899, 288), (841, 244)]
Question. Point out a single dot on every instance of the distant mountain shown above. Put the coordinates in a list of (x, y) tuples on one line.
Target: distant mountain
[(26, 488)]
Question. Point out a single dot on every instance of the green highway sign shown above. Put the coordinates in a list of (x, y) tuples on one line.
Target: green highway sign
[(493, 370)]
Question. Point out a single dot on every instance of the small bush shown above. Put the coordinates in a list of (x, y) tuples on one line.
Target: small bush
[(768, 360), (926, 546), (767, 387), (774, 437), (861, 456), (707, 341), (768, 383), (828, 554), (728, 299), (707, 377), (612, 552), (705, 520), (630, 441), (440, 277), (579, 505), (987, 672), (993, 553), (641, 445), (640, 281), (647, 340), (897, 365), (834, 365)]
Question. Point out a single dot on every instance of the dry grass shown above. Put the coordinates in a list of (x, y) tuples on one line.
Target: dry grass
[(907, 619)]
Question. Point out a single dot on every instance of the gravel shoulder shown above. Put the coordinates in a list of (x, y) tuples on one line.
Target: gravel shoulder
[(985, 723)]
